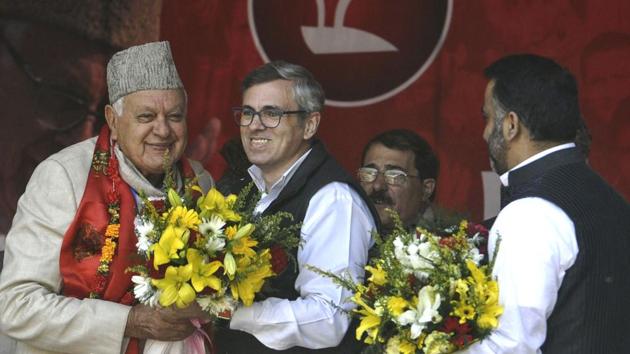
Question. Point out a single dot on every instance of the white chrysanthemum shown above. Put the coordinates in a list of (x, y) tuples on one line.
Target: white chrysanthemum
[(215, 304), (143, 228), (144, 291), (211, 227), (426, 311), (215, 243)]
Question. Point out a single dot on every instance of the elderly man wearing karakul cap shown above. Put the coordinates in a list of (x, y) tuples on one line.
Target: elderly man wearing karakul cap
[(55, 293)]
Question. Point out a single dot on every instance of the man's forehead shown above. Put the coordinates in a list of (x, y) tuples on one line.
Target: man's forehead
[(270, 94), (383, 157), (150, 98)]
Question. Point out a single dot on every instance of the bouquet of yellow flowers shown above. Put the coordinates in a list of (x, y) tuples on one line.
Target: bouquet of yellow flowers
[(427, 292), (207, 248)]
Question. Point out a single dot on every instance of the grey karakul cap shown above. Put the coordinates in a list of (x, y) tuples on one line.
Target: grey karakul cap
[(145, 67)]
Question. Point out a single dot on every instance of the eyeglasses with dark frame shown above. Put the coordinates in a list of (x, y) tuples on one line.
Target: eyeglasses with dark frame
[(269, 117), (393, 177), (67, 109)]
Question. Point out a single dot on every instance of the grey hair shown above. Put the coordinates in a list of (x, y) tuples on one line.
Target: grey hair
[(499, 111), (118, 106), (307, 92)]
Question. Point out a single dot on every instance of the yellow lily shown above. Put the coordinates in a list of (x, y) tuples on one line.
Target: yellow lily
[(379, 276), (215, 203), (244, 231), (251, 277), (230, 264), (175, 287), (173, 198), (168, 246), (370, 320), (202, 273)]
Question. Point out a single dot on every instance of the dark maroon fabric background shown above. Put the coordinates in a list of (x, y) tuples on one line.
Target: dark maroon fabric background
[(214, 48)]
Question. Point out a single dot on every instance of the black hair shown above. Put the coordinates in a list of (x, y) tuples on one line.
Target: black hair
[(543, 94), (425, 159)]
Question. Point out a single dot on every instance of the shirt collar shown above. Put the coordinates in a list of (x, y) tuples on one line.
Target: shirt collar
[(257, 176), (504, 177)]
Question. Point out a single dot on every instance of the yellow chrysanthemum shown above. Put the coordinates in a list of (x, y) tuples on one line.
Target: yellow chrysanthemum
[(379, 276), (180, 216), (168, 246), (230, 231), (112, 230), (243, 246), (396, 305), (202, 273), (175, 287), (464, 311)]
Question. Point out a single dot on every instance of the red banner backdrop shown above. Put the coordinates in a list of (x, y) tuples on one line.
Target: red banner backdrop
[(397, 75)]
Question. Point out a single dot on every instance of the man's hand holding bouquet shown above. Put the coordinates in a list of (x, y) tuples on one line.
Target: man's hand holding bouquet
[(206, 251)]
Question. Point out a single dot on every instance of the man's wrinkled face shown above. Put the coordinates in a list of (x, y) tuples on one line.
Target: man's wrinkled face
[(152, 127), (274, 150), (493, 134), (408, 199)]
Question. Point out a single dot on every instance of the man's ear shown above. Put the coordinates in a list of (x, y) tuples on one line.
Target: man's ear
[(311, 124), (112, 121), (511, 126), (428, 187)]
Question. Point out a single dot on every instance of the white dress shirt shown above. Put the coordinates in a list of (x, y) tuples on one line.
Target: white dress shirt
[(538, 246), (336, 235)]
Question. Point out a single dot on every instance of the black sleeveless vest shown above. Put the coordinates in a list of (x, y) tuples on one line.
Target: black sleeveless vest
[(316, 171), (592, 312)]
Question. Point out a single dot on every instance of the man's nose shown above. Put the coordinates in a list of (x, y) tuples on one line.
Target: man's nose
[(256, 123), (161, 127), (379, 183)]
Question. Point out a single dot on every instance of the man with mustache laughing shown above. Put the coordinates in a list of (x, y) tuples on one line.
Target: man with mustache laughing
[(399, 172)]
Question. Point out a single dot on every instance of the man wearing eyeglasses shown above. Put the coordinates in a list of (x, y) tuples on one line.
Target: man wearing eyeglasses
[(280, 113), (399, 172)]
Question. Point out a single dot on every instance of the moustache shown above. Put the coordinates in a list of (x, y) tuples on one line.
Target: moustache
[(381, 197)]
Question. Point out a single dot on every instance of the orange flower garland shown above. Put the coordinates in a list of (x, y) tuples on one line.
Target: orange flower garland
[(113, 228)]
